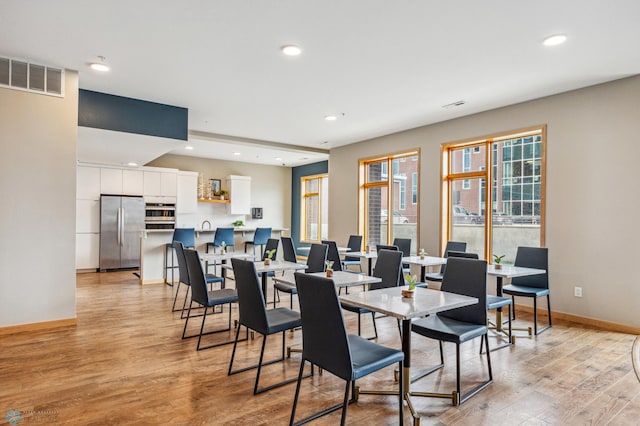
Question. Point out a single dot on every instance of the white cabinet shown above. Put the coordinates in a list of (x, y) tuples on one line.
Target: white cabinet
[(160, 184), (88, 183), (111, 181), (169, 184), (87, 251), (240, 194), (132, 182), (88, 216), (152, 185), (187, 192)]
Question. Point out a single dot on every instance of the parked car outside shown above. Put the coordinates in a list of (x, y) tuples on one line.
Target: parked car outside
[(397, 217), (462, 215)]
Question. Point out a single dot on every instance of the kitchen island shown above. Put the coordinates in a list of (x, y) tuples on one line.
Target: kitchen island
[(153, 244)]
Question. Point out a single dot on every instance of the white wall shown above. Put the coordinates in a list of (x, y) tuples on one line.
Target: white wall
[(593, 200), (38, 217), (270, 189)]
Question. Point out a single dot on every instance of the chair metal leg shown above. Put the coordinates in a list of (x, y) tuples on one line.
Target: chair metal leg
[(175, 298), (297, 394), (345, 403)]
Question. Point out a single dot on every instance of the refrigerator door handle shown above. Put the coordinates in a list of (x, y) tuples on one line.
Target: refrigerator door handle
[(122, 227), (119, 224)]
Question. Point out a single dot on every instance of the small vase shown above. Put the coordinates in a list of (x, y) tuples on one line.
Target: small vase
[(267, 261), (407, 293), (422, 257), (224, 251), (329, 272), (498, 266)]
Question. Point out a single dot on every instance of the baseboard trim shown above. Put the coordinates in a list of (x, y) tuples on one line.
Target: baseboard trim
[(592, 322), (38, 326)]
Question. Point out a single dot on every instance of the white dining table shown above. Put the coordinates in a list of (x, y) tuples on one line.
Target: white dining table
[(369, 255), (273, 266), (222, 258), (340, 278), (424, 302), (424, 262)]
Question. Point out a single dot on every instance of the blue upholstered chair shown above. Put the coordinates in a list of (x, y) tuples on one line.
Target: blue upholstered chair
[(222, 235), (187, 236), (493, 302), (315, 263), (354, 245), (326, 344), (451, 246), (333, 255), (467, 277), (389, 269), (205, 298), (255, 316), (185, 279), (532, 286), (260, 238)]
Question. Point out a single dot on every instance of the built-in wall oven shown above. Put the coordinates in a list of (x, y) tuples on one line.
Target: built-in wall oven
[(160, 216)]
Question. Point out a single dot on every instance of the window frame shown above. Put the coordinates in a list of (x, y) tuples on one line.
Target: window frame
[(304, 196), (387, 182), (491, 166)]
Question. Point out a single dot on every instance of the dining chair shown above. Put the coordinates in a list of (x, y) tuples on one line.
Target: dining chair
[(389, 269), (404, 245), (493, 302), (469, 278), (451, 246), (354, 245), (316, 262), (350, 357), (385, 247), (333, 255), (206, 299), (222, 235), (187, 236), (532, 286), (256, 317), (183, 278), (288, 249), (260, 238)]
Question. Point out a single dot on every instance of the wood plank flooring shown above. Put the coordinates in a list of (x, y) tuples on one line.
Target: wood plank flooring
[(125, 363)]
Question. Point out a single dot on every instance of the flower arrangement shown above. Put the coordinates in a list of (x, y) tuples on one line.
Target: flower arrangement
[(223, 246), (497, 260), (238, 223)]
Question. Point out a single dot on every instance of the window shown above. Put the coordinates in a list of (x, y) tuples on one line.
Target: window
[(384, 212), (513, 164), (314, 206), (414, 188), (403, 192)]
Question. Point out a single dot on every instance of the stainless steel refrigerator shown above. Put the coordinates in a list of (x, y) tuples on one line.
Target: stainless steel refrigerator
[(121, 226)]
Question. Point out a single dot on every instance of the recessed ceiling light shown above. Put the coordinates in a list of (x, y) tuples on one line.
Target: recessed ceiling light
[(554, 40), (236, 153), (330, 117), (100, 66), (279, 158), (291, 50), (132, 164), (189, 147)]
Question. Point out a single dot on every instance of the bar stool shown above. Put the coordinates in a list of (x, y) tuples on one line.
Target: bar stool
[(222, 235), (187, 236), (260, 238)]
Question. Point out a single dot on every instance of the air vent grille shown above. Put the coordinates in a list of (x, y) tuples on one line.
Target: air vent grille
[(30, 77)]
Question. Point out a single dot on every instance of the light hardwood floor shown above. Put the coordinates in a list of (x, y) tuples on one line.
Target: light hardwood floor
[(124, 363)]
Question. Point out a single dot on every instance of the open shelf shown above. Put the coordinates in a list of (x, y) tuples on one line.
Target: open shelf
[(225, 201)]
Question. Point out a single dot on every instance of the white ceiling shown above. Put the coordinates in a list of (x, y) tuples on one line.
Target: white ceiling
[(382, 66)]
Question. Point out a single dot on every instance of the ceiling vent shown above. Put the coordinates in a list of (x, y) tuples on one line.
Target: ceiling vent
[(21, 75)]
